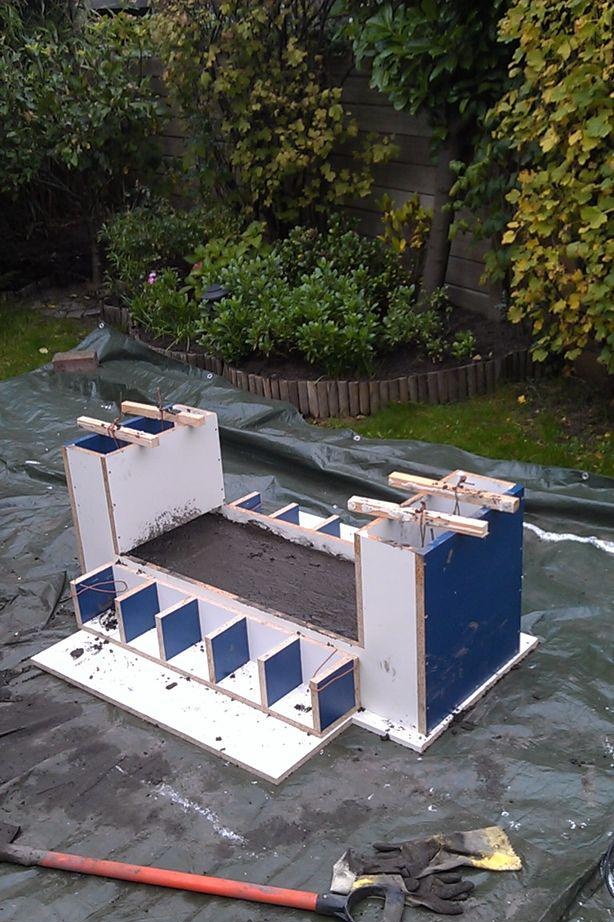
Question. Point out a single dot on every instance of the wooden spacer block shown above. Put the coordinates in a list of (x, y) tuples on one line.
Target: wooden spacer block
[(121, 433), (460, 524), (177, 413), (502, 502), (77, 360)]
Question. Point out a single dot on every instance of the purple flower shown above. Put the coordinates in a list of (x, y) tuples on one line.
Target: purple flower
[(151, 278)]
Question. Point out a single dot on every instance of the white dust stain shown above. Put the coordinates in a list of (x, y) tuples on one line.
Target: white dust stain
[(191, 806), (554, 537)]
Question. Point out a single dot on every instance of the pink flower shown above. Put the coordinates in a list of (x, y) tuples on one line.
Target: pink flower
[(151, 278)]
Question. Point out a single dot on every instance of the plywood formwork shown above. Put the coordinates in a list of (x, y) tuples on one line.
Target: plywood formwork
[(396, 625)]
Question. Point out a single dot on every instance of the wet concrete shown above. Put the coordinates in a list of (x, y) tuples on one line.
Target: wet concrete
[(260, 567)]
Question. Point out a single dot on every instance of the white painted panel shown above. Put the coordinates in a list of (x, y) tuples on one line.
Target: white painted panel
[(263, 637), (244, 682), (212, 615), (155, 489), (316, 658), (93, 525), (126, 579), (297, 534), (237, 732), (193, 660), (388, 666), (296, 705), (169, 596), (146, 643)]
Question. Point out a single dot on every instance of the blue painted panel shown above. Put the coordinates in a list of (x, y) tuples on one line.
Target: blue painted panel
[(283, 672), (331, 528), (472, 592), (181, 629), (95, 594), (152, 426), (253, 502), (139, 611), (101, 444), (230, 650), (290, 515), (336, 694)]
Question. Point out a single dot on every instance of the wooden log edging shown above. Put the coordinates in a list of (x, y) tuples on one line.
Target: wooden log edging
[(322, 399)]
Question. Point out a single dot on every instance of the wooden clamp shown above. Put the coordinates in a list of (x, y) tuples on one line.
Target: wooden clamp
[(178, 413), (120, 433), (502, 502), (475, 528)]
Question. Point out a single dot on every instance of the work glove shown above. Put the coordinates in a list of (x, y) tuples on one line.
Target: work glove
[(426, 866), (487, 848)]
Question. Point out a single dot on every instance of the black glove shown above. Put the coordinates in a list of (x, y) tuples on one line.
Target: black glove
[(440, 891)]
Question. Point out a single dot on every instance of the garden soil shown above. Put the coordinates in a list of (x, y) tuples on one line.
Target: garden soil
[(535, 755)]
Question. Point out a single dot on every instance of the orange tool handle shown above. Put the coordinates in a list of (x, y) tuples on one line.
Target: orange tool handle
[(178, 880)]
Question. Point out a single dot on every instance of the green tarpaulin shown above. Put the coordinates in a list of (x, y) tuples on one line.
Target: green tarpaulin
[(535, 755)]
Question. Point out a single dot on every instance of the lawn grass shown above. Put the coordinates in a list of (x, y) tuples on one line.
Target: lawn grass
[(24, 332), (554, 422)]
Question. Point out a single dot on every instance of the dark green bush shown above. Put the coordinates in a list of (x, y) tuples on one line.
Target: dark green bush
[(155, 236), (165, 309), (346, 251)]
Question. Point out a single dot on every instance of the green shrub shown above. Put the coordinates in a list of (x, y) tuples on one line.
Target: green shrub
[(463, 345), (78, 115), (166, 310), (558, 118), (251, 79), (423, 324), (220, 251), (157, 236), (382, 270), (252, 317), (327, 319)]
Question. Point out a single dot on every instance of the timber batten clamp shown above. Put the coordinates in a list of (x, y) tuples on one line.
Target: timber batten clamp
[(437, 612)]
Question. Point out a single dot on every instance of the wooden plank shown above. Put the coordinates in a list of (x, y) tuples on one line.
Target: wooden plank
[(432, 386), (475, 528), (284, 393), (333, 398), (387, 120), (178, 413), (322, 391), (356, 398), (312, 399), (293, 394), (344, 398), (374, 401), (384, 394), (452, 377), (303, 397), (502, 502), (122, 433), (412, 385), (393, 391)]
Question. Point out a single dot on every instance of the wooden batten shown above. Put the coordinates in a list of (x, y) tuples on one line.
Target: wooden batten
[(121, 433), (177, 413), (462, 525), (501, 502)]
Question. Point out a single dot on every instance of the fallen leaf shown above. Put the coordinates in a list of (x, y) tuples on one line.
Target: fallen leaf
[(43, 350)]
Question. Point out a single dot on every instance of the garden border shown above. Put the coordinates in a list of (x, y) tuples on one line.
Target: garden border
[(324, 399)]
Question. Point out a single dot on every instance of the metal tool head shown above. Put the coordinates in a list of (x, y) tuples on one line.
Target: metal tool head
[(388, 888), (349, 890)]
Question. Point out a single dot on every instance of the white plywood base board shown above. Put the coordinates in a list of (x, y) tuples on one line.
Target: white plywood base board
[(410, 737), (235, 731)]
